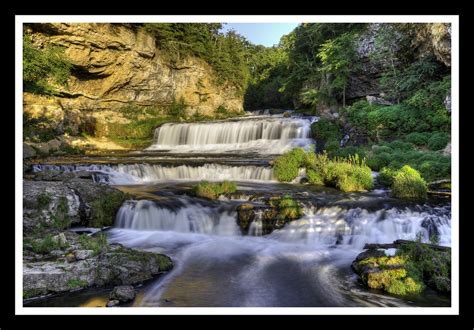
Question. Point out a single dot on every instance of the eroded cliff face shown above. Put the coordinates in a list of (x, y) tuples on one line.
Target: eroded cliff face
[(119, 64)]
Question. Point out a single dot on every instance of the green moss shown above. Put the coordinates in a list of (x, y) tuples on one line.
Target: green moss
[(33, 293), (212, 190), (288, 208), (43, 200), (408, 184), (105, 207), (392, 274), (76, 283)]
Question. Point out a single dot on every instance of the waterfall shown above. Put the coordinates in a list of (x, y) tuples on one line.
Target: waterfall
[(356, 227), (266, 135), (143, 173), (190, 218), (326, 226), (256, 227)]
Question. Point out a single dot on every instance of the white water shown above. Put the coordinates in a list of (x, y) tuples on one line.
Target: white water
[(322, 227), (191, 218), (296, 266), (147, 173), (265, 136)]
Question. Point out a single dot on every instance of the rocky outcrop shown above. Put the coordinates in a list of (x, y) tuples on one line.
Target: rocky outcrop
[(65, 199), (268, 216), (112, 265), (119, 64)]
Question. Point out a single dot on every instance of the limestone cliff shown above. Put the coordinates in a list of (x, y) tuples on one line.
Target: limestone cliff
[(119, 64)]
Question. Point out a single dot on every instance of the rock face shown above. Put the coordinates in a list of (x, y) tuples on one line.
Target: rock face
[(118, 64)]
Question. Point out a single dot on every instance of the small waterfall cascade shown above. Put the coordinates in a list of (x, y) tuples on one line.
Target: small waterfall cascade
[(143, 173), (268, 135)]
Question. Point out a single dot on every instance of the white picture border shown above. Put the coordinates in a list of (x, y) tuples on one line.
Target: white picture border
[(20, 310)]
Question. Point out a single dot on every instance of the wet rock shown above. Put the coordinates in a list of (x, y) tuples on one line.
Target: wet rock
[(123, 293), (113, 303)]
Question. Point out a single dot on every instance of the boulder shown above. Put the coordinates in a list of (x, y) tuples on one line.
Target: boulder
[(123, 293)]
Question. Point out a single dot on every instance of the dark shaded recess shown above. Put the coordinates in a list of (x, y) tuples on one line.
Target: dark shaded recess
[(83, 74)]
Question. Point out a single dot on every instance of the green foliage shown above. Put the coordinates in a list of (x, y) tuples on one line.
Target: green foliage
[(227, 54), (408, 184), (379, 122), (60, 218), (432, 165), (418, 139), (212, 190), (438, 141), (97, 243), (46, 245), (345, 152), (346, 174), (38, 129), (338, 57), (43, 68), (76, 283), (325, 129), (431, 266), (287, 166), (391, 274), (288, 208), (177, 108), (43, 200), (386, 176), (105, 207)]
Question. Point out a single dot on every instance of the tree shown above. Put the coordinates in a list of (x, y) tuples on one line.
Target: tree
[(337, 58)]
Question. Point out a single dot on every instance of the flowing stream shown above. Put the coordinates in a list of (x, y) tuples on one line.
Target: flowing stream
[(304, 264)]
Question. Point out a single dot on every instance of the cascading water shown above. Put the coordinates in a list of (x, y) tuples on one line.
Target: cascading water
[(145, 173), (189, 218), (265, 135), (326, 226)]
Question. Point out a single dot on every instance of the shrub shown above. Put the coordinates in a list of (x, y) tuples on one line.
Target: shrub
[(418, 139), (212, 190), (41, 67), (408, 184), (287, 166), (385, 177), (346, 174), (347, 151), (438, 141), (325, 130)]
